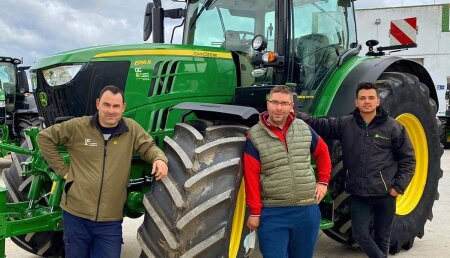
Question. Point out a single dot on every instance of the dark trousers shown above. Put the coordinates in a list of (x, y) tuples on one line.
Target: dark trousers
[(86, 238), (372, 220), (289, 232)]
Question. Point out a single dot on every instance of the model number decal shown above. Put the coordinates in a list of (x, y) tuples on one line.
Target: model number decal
[(142, 62)]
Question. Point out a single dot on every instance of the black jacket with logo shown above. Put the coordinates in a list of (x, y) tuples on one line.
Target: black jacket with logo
[(377, 156)]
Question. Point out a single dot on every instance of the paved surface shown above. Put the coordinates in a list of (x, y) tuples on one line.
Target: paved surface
[(435, 243)]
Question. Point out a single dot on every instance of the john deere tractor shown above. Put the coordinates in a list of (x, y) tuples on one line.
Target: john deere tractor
[(17, 107), (197, 100)]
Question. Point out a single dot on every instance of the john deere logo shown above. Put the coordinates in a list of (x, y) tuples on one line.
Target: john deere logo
[(43, 99)]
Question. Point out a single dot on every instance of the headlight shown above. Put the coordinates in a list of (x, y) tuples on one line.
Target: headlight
[(259, 43), (61, 75), (2, 104)]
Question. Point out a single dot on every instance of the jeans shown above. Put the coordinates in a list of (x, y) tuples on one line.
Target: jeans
[(372, 220), (85, 238), (289, 232)]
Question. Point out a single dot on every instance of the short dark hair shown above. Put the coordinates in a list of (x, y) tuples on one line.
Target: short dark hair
[(280, 89), (114, 89), (366, 86)]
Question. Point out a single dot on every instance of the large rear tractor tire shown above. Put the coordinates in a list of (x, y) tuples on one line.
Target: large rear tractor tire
[(47, 244), (408, 101), (198, 210)]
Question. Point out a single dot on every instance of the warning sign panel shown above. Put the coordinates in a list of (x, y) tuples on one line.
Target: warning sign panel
[(403, 32)]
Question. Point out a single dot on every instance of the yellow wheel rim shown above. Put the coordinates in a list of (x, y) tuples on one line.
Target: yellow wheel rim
[(407, 202), (238, 222)]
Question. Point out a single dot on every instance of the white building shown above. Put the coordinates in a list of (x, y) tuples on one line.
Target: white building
[(433, 37)]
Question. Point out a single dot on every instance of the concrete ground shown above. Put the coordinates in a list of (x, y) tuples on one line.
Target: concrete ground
[(435, 243)]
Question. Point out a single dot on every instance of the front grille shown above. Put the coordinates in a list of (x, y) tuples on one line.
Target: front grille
[(78, 97)]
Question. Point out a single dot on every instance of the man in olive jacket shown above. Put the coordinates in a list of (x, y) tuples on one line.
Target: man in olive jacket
[(379, 162), (100, 148)]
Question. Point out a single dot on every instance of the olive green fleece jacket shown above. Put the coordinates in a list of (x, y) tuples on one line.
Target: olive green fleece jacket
[(99, 170)]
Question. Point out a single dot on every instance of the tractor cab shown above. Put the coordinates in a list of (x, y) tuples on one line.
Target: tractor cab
[(16, 105), (8, 81)]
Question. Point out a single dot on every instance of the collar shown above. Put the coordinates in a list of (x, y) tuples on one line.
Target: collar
[(263, 118), (381, 116), (121, 126)]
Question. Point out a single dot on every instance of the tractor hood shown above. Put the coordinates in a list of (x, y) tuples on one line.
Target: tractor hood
[(83, 55), (154, 77)]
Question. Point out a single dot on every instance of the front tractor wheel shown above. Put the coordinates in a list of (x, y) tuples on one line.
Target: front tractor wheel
[(198, 210), (408, 101)]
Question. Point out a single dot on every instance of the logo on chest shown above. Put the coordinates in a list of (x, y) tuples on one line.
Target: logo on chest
[(89, 142)]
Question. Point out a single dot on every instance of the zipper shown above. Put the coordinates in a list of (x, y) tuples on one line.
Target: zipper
[(345, 181), (361, 171), (290, 167), (101, 181), (382, 179)]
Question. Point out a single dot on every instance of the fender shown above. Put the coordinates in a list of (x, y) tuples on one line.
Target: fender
[(370, 71), (245, 115)]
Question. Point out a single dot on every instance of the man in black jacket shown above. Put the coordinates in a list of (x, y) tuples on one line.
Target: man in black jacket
[(379, 162)]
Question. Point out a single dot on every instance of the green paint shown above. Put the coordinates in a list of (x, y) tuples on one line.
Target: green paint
[(324, 99), (445, 18)]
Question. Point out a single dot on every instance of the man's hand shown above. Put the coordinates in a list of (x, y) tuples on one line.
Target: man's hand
[(393, 193), (321, 190), (253, 222), (159, 169), (65, 176)]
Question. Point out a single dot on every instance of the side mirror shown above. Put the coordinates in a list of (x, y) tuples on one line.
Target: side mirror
[(148, 21)]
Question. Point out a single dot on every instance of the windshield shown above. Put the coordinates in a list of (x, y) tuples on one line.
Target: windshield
[(7, 73), (229, 24), (8, 81), (232, 24)]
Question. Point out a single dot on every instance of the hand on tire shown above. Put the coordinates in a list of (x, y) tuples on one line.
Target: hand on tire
[(159, 169)]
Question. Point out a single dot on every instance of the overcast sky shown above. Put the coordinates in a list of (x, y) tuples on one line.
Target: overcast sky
[(32, 29)]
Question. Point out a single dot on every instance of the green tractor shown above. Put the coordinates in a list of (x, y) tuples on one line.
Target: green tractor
[(17, 106), (197, 100)]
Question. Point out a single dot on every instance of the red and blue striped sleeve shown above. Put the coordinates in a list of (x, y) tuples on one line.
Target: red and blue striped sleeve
[(252, 170), (319, 150)]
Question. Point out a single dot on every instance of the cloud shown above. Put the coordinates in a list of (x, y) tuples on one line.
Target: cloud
[(33, 29)]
